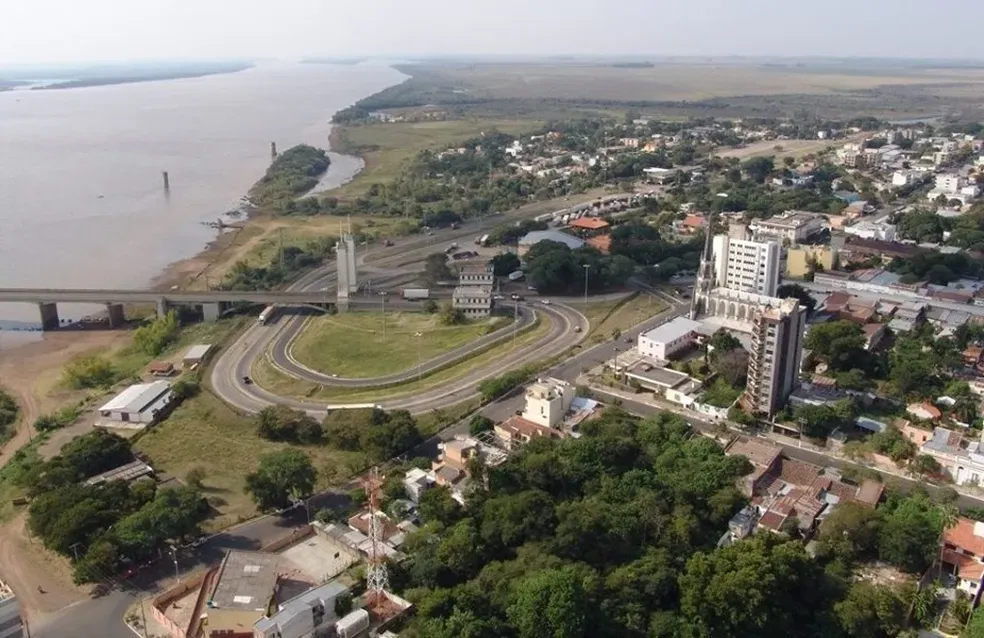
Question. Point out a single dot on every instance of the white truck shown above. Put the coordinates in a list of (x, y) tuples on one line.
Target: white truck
[(516, 275), (267, 315), (416, 294)]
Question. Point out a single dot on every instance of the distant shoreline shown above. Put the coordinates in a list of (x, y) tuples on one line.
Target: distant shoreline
[(134, 79)]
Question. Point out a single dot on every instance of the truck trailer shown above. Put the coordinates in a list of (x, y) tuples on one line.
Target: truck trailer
[(415, 294)]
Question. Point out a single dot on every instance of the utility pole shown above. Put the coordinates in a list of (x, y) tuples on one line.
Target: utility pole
[(281, 249), (515, 322), (419, 336), (75, 551)]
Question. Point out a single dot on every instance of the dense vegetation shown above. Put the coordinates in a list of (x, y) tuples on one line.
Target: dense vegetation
[(8, 415), (280, 268), (919, 366), (615, 534), (105, 527), (292, 174), (378, 434), (556, 269), (156, 335)]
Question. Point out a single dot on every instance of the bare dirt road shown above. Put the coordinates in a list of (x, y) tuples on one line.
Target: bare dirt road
[(26, 566)]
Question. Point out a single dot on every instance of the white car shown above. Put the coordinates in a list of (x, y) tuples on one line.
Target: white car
[(545, 302)]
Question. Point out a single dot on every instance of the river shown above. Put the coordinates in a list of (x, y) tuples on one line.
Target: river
[(82, 203)]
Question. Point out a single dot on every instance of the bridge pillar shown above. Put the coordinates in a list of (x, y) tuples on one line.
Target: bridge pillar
[(49, 316), (117, 317), (212, 311), (162, 307)]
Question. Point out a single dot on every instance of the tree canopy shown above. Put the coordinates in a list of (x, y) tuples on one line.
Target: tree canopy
[(281, 478)]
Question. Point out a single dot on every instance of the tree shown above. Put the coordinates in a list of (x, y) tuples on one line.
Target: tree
[(732, 365), (818, 421), (195, 476), (281, 477), (759, 587), (758, 168), (90, 372), (550, 604), (479, 423), (451, 316), (282, 423), (975, 628), (436, 505), (908, 537), (436, 268), (722, 341), (870, 611), (851, 532), (925, 464), (431, 306), (154, 337), (839, 343), (798, 292), (505, 264)]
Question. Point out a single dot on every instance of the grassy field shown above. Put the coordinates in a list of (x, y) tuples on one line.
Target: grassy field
[(272, 379), (205, 432), (387, 147), (681, 81), (607, 316), (356, 345)]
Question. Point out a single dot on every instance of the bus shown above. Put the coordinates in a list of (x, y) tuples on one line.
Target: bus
[(267, 315)]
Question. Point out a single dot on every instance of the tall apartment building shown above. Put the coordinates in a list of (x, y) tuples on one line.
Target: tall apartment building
[(749, 266), (11, 625), (774, 363)]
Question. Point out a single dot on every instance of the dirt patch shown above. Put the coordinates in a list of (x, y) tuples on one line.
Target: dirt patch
[(27, 566), (30, 372)]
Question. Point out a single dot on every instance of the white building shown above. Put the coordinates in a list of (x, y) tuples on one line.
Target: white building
[(871, 230), (11, 625), (662, 342), (791, 227), (948, 183), (303, 615), (417, 481), (548, 401), (474, 301), (774, 362), (907, 176), (749, 266), (143, 403)]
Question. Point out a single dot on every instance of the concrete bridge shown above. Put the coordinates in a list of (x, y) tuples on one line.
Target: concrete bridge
[(212, 302)]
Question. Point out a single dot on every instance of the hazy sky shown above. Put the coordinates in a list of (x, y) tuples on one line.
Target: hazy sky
[(42, 31)]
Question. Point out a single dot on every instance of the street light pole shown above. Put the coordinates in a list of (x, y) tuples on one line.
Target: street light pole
[(382, 305), (174, 557), (586, 267), (419, 336)]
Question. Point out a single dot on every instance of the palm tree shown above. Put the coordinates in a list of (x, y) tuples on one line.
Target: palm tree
[(948, 519)]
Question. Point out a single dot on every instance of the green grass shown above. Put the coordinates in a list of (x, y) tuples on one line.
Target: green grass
[(130, 362), (607, 316), (387, 147), (355, 345), (272, 379), (205, 432)]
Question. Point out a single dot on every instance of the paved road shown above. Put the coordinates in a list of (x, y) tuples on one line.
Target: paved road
[(236, 362)]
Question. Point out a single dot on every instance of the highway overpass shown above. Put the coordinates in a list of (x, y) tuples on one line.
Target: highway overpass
[(212, 302)]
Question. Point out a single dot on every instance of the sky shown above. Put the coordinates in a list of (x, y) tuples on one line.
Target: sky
[(85, 31)]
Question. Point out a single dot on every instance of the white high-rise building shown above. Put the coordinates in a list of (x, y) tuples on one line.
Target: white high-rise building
[(774, 362), (748, 266)]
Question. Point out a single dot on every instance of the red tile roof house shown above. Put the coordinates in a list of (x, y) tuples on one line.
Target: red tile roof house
[(963, 555)]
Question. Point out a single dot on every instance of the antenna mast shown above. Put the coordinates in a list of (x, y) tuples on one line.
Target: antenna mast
[(377, 578)]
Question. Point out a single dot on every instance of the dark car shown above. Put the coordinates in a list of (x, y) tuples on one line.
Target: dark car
[(247, 381)]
